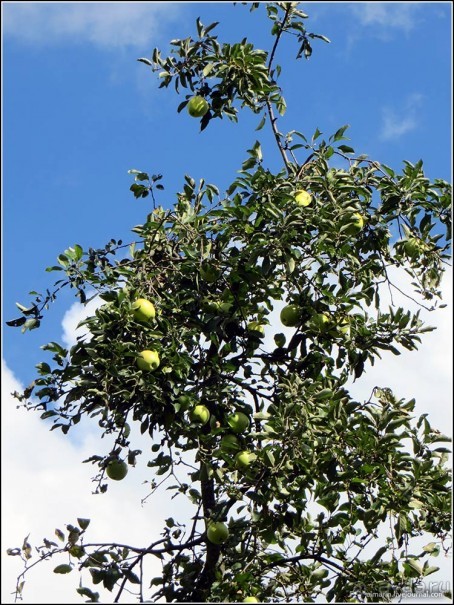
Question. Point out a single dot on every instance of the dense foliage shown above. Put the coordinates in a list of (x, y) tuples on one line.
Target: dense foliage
[(321, 494)]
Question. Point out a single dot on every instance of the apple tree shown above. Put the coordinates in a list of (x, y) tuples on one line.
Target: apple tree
[(230, 330)]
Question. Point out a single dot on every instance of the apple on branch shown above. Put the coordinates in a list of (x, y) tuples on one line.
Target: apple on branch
[(303, 198), (148, 360), (217, 532), (198, 107), (117, 470), (244, 459), (238, 422), (353, 223), (143, 310), (290, 315), (200, 414)]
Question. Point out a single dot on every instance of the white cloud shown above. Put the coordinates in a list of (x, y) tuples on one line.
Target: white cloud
[(107, 25), (45, 486), (389, 15), (397, 123), (75, 314)]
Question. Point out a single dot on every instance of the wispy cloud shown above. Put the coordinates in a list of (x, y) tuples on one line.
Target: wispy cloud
[(106, 25), (397, 122), (387, 15)]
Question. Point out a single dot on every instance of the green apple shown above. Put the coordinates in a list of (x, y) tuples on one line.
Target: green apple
[(229, 443), (303, 198), (126, 430), (238, 422), (244, 458), (290, 315), (200, 414), (197, 107), (217, 532), (256, 326), (148, 360), (250, 600), (117, 470), (321, 321), (184, 402), (143, 309), (355, 223), (412, 247)]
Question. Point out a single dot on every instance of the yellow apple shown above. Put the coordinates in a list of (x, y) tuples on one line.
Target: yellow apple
[(198, 107), (117, 470), (217, 532), (303, 198), (143, 309), (290, 315), (250, 600), (148, 360)]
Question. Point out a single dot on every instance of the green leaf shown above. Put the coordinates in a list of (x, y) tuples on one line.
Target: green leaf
[(280, 339), (429, 570), (78, 252), (339, 134), (15, 323), (415, 566), (324, 394), (63, 569), (131, 576), (83, 523), (25, 310), (316, 134), (208, 69), (346, 149), (378, 555), (30, 324), (261, 123), (86, 592)]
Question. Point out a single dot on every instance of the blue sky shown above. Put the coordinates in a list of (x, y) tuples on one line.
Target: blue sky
[(79, 111)]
